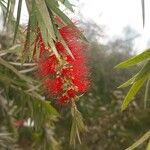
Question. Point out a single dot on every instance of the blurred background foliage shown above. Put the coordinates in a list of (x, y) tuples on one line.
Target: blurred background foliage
[(107, 127)]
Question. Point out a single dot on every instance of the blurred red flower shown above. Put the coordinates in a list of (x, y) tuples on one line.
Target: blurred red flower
[(68, 78)]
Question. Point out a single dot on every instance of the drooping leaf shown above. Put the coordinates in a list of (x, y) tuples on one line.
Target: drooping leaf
[(13, 49), (2, 4), (57, 11), (18, 18), (145, 137), (65, 45), (146, 92), (7, 12), (132, 92), (48, 40), (67, 4), (13, 69), (51, 5), (52, 45), (144, 71), (148, 146), (77, 125), (129, 82), (41, 6), (135, 60), (143, 11), (30, 36)]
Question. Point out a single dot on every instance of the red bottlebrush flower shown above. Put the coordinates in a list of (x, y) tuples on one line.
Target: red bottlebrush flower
[(71, 93), (67, 72), (73, 72), (40, 43), (82, 85), (63, 99), (60, 48), (69, 33), (48, 66), (55, 86)]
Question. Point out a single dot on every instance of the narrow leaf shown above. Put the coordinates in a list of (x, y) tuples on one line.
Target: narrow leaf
[(145, 137), (132, 92), (65, 45), (67, 4), (77, 125), (52, 6), (143, 11), (13, 69), (18, 19), (46, 18), (135, 60), (144, 71), (2, 5), (129, 82), (7, 12), (52, 45), (146, 92), (148, 146)]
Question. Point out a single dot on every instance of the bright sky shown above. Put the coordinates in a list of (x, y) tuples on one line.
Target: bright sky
[(114, 15), (117, 14)]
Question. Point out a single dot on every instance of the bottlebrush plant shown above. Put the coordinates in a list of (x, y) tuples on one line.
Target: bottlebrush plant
[(54, 46), (66, 78)]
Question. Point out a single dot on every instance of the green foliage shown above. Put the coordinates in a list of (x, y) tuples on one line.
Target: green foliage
[(21, 97), (145, 137), (17, 83), (135, 60), (23, 93), (77, 125), (138, 80), (107, 127), (18, 16)]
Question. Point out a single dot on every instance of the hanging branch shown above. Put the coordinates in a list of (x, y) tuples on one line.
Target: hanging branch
[(77, 125)]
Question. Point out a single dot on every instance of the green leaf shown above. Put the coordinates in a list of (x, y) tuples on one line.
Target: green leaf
[(7, 12), (43, 30), (13, 49), (146, 92), (46, 38), (77, 125), (144, 71), (67, 4), (143, 11), (129, 82), (132, 92), (2, 4), (135, 60), (52, 45), (18, 18), (46, 18), (30, 37), (145, 137), (65, 45), (13, 69), (52, 6), (27, 44), (148, 146)]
